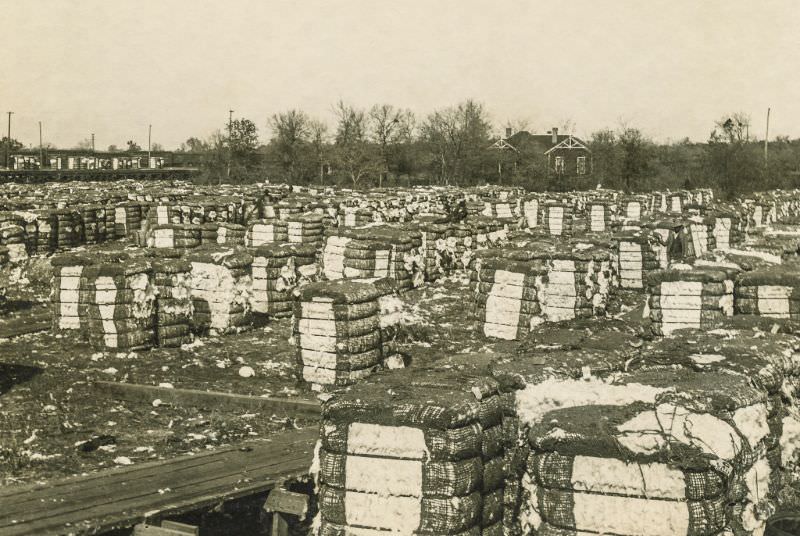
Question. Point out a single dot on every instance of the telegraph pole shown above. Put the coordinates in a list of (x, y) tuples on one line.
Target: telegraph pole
[(766, 140), (92, 142), (149, 134), (8, 140), (230, 139), (41, 147)]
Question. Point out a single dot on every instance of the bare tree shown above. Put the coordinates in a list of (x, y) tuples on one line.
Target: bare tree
[(390, 126), (352, 150), (734, 128), (319, 141), (566, 126), (458, 136), (517, 125), (291, 130), (84, 144)]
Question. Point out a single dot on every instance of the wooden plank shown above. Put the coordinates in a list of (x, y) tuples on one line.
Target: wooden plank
[(25, 325), (118, 514), (133, 479), (122, 498), (180, 527), (145, 394), (286, 502)]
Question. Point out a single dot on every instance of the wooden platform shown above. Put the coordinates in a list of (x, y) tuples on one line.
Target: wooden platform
[(145, 394), (25, 325), (117, 498)]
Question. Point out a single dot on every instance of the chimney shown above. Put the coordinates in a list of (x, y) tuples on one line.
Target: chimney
[(555, 135), (508, 132)]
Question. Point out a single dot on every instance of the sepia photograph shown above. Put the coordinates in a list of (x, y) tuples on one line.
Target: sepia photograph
[(427, 268)]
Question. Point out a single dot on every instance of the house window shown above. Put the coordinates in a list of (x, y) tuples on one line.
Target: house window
[(560, 166), (581, 165)]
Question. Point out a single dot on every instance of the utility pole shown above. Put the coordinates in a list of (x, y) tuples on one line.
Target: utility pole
[(766, 141), (92, 142), (8, 141), (41, 148), (149, 134), (230, 139)]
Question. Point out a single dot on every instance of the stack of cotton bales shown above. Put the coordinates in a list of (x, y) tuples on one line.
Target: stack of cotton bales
[(698, 237), (91, 223), (109, 222), (127, 218), (772, 292), (770, 364), (174, 305), (4, 260), (659, 203), (530, 210), (489, 233), (727, 231), (68, 307), (31, 228), (337, 333), (700, 298), (463, 242), (120, 305), (208, 233), (406, 267), (578, 283), (432, 238), (632, 208), (68, 229), (675, 203), (305, 229), (413, 452), (356, 255), (666, 234), (12, 237), (161, 214), (507, 295), (230, 234), (599, 216), (685, 451), (637, 257), (557, 219), (285, 209), (356, 216), (46, 225), (759, 214), (277, 270), (174, 236), (267, 231), (499, 209), (221, 288)]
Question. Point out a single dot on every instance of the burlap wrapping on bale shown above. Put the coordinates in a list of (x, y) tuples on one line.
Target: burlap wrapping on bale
[(725, 403), (120, 304), (174, 304), (227, 257), (338, 292), (221, 288), (463, 468)]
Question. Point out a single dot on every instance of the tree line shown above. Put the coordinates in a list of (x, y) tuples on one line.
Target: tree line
[(385, 145)]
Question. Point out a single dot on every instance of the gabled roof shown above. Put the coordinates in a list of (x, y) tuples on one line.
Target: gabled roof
[(570, 143), (502, 145), (545, 141)]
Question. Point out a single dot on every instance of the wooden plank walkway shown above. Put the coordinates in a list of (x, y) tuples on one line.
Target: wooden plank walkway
[(123, 497), (145, 394), (25, 325)]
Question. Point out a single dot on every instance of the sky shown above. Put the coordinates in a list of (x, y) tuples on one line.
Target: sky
[(670, 68)]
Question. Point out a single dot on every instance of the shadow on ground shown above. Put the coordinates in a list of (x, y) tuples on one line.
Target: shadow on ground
[(12, 374)]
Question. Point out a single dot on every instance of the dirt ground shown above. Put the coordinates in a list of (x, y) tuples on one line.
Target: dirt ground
[(52, 422)]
